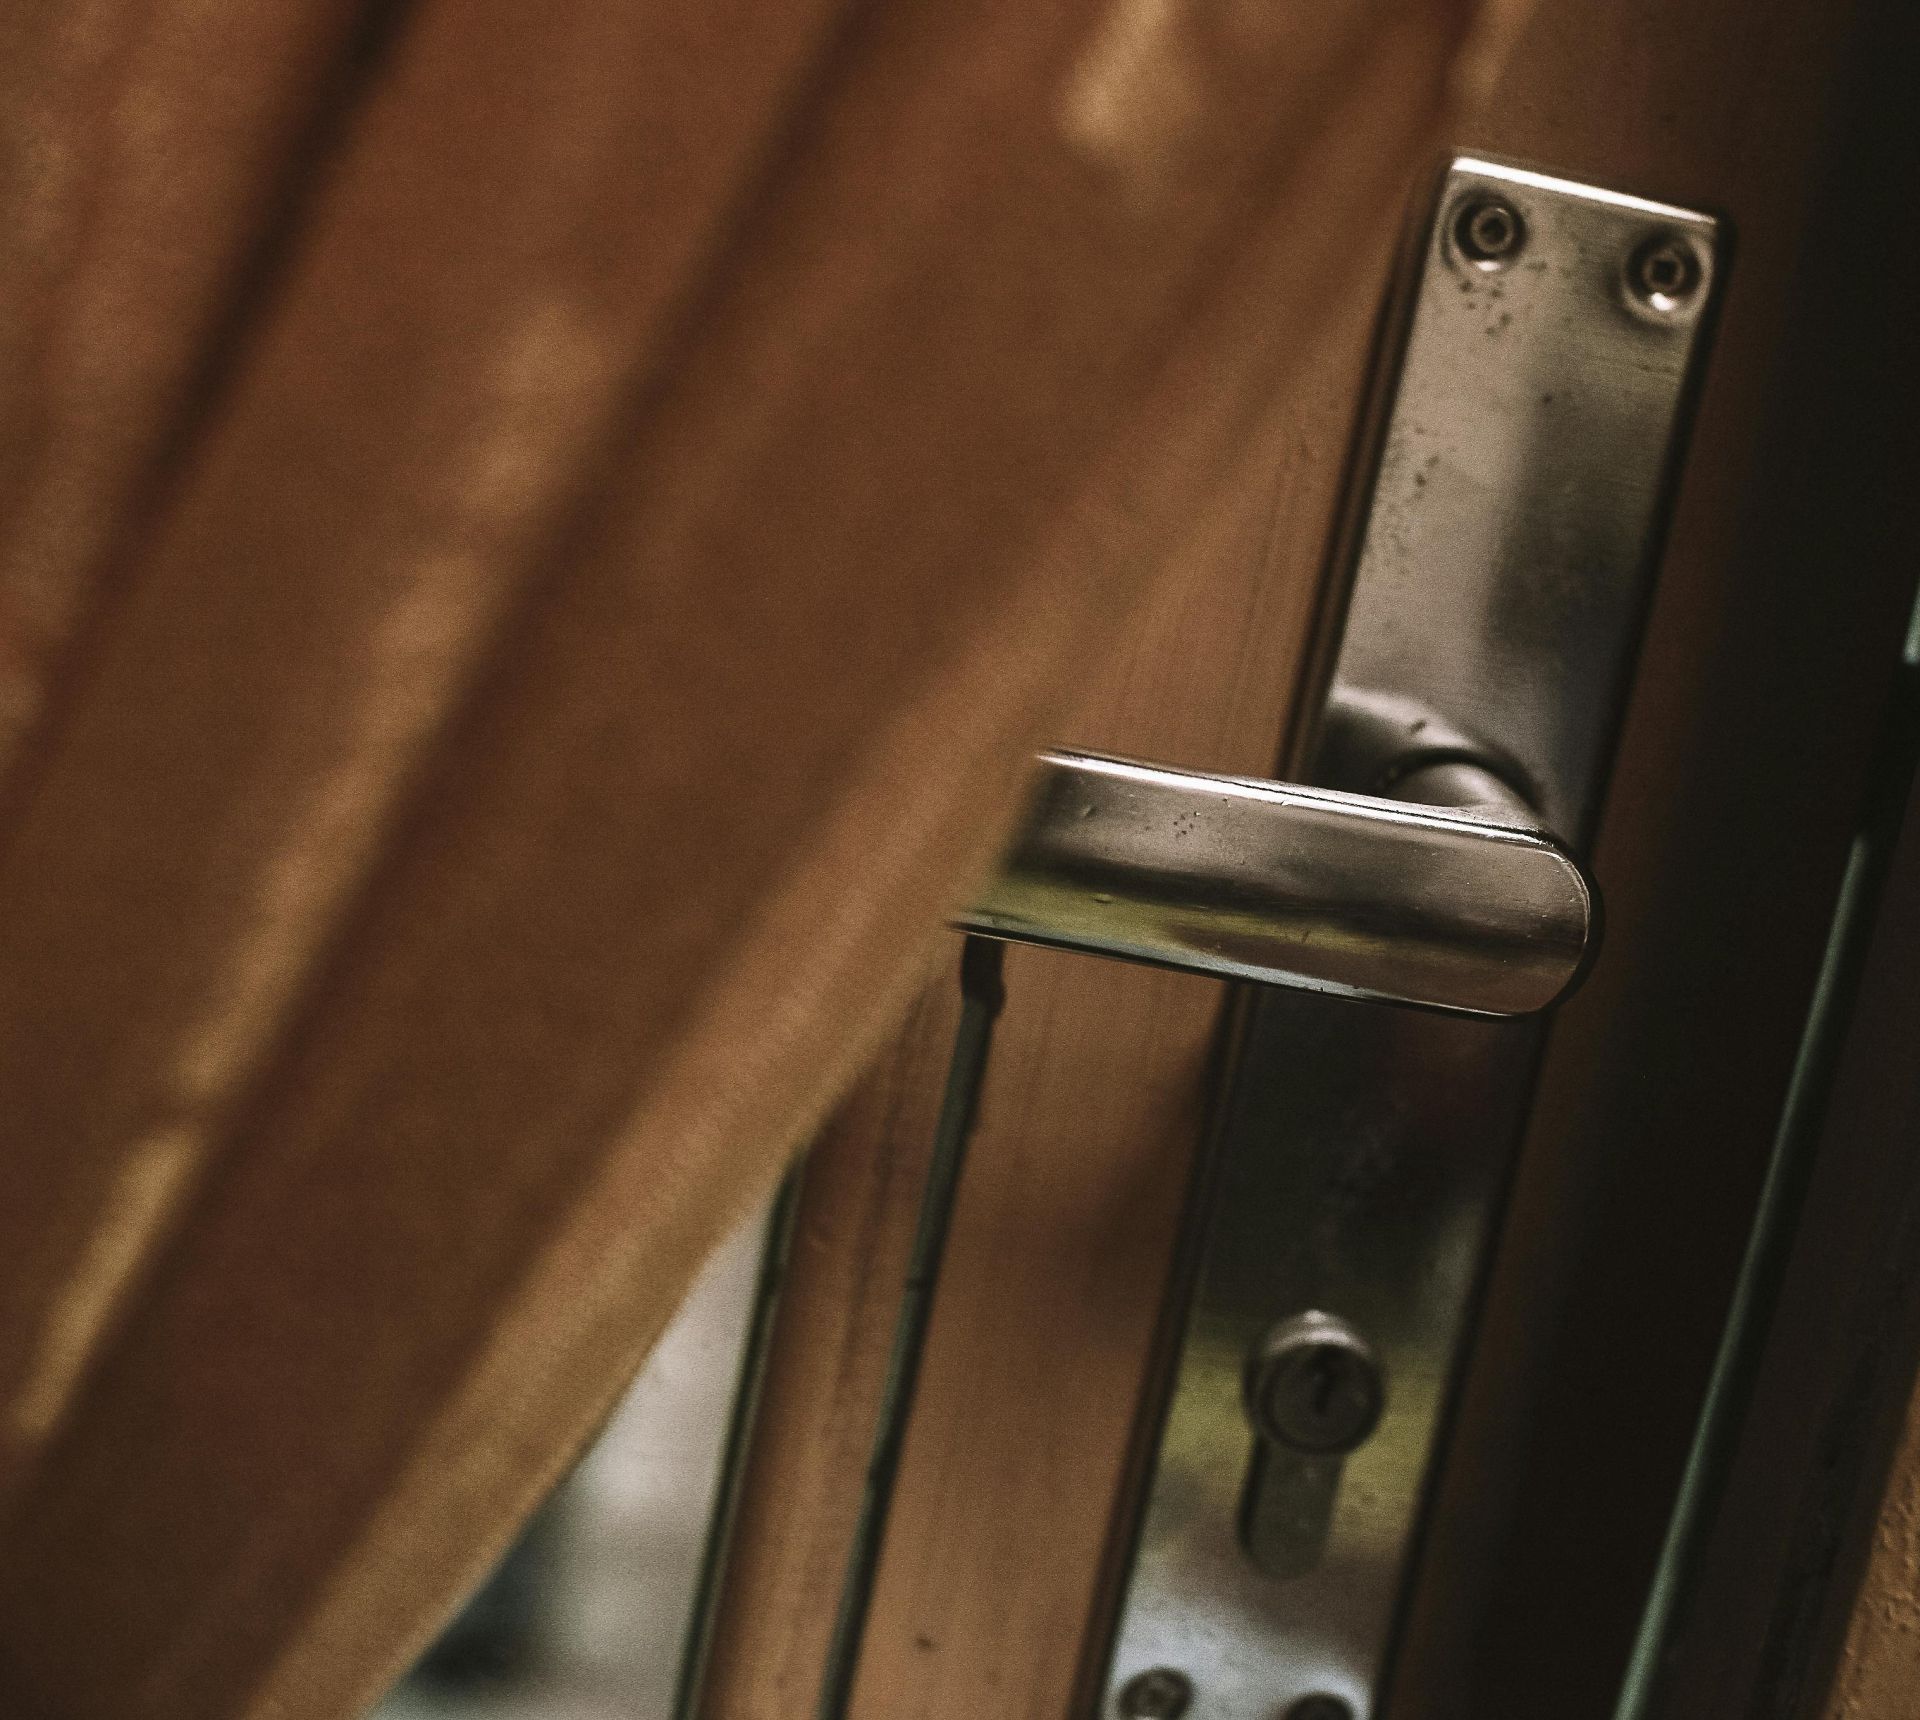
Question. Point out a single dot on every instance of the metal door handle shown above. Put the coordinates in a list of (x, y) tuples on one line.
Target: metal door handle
[(1449, 895), (1510, 494)]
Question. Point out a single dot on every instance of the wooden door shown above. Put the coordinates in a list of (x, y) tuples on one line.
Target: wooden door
[(993, 1581), (670, 570)]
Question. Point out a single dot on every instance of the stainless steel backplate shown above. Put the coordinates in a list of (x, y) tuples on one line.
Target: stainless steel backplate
[(1505, 537)]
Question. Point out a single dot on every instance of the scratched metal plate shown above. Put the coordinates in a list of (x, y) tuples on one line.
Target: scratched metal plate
[(1500, 572)]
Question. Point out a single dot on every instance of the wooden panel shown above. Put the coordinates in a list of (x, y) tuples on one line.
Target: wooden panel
[(1880, 1661), (859, 1201), (1786, 1495), (1067, 1206), (1665, 1079), (1720, 855), (1092, 1100), (687, 470)]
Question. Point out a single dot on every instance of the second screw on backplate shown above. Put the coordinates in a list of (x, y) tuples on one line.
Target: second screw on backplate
[(1664, 272)]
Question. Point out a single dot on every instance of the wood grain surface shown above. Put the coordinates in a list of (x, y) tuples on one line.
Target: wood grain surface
[(821, 1401), (1665, 1079), (1091, 1105), (1879, 1668)]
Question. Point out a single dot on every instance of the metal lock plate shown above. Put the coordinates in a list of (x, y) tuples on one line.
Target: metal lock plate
[(1500, 567)]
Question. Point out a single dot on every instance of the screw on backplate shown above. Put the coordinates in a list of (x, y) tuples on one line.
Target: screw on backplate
[(1489, 232), (1320, 1707), (1314, 1386), (1664, 271), (1157, 1694)]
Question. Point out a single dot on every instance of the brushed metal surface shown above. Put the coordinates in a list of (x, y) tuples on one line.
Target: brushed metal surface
[(1500, 568), (1477, 911)]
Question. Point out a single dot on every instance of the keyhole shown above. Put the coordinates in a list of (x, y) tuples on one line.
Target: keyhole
[(1326, 1383), (1313, 1386)]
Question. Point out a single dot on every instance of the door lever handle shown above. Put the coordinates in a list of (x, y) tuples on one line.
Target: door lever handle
[(1501, 542), (1449, 895)]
